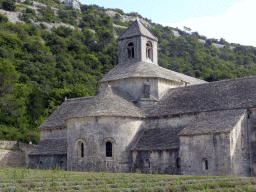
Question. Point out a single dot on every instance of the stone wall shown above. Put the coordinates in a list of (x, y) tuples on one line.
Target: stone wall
[(14, 153), (161, 161), (196, 149), (240, 163), (48, 161), (94, 132)]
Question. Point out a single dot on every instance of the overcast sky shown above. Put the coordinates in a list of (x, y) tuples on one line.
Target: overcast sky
[(233, 20)]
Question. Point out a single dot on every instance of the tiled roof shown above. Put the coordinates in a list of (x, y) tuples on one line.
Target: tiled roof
[(56, 119), (146, 69), (50, 147), (136, 28), (155, 139), (109, 102), (220, 95), (213, 122)]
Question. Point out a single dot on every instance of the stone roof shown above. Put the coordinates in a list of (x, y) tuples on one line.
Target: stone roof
[(158, 139), (136, 29), (220, 95), (109, 102), (68, 107), (213, 122), (147, 69), (50, 147)]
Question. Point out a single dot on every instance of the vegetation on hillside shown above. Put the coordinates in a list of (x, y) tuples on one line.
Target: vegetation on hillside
[(15, 179), (40, 67)]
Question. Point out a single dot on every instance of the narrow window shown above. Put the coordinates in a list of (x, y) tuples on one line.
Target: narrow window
[(205, 164), (82, 150), (108, 149), (178, 162), (130, 49), (149, 54)]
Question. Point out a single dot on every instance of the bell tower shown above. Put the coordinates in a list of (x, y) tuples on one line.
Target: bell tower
[(137, 44)]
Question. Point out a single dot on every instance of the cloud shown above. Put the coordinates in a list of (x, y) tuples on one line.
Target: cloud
[(235, 25)]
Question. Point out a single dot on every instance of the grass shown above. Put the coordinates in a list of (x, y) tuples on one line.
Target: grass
[(22, 179)]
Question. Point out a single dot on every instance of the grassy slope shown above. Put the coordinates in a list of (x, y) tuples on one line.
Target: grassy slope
[(15, 179)]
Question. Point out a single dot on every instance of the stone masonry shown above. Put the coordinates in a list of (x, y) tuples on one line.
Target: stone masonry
[(153, 119)]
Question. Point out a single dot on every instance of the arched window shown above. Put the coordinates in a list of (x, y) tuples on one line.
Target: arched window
[(205, 164), (130, 50), (149, 51), (178, 162), (80, 149), (108, 149)]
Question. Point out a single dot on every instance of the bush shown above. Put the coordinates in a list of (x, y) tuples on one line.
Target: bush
[(3, 18), (9, 5), (28, 2), (43, 26)]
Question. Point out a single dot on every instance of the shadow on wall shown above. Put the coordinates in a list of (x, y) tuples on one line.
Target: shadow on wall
[(14, 153)]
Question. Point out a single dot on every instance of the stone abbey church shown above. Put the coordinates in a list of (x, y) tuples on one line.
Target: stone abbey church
[(150, 118)]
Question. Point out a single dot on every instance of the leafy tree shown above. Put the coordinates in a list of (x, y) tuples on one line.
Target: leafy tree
[(8, 77), (9, 5), (105, 36)]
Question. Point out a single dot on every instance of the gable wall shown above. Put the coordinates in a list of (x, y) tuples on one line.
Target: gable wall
[(252, 140), (94, 132), (213, 147), (240, 162)]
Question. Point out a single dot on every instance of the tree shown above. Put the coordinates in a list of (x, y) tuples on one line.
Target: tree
[(8, 77), (9, 5), (105, 36)]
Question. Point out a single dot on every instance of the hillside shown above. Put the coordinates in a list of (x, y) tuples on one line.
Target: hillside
[(49, 52)]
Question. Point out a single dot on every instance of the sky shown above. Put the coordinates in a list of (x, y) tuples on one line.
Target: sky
[(233, 20)]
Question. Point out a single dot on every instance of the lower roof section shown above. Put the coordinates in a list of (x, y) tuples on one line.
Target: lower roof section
[(158, 139), (50, 147), (213, 122)]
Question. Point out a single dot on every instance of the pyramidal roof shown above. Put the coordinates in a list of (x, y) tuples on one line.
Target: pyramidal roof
[(135, 29)]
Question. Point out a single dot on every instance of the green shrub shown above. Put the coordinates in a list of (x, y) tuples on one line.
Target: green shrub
[(3, 18), (9, 5), (43, 26), (28, 2)]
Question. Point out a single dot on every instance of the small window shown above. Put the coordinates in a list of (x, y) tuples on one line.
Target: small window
[(80, 149), (147, 163), (108, 149), (178, 162), (205, 164), (149, 51), (130, 49)]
